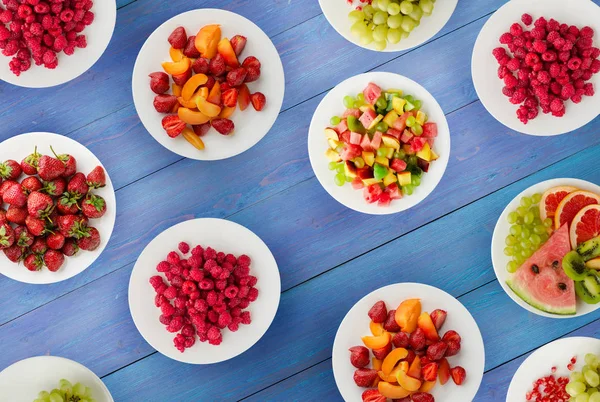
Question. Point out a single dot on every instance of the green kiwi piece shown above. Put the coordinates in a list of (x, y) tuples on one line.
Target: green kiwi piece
[(588, 289), (589, 249), (574, 266)]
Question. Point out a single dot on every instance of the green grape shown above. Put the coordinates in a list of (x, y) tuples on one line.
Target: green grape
[(525, 243), (394, 21), (526, 253), (510, 240), (519, 260), (522, 211), (43, 395), (515, 230), (380, 33), (426, 6), (393, 9), (404, 34), (79, 389), (411, 121), (509, 251), (88, 392), (368, 10), (536, 240), (582, 398), (592, 360), (358, 29), (575, 388), (406, 7), (415, 181), (349, 179), (512, 267), (54, 397), (375, 5), (348, 101), (576, 376), (335, 120), (512, 217), (380, 44), (408, 189), (400, 154), (536, 198), (528, 218), (525, 233), (526, 202), (380, 17), (359, 162), (365, 39), (340, 168), (591, 377), (357, 104), (548, 222), (381, 102), (417, 103), (340, 179), (416, 14), (417, 129), (332, 166), (595, 397), (355, 16), (382, 126), (383, 4), (408, 24), (394, 36)]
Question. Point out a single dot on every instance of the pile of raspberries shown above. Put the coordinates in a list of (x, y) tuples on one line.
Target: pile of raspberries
[(204, 294), (546, 66), (41, 30)]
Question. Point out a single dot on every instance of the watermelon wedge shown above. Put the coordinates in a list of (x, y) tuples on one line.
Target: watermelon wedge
[(541, 280)]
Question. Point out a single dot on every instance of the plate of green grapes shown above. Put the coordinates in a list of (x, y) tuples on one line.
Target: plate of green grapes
[(51, 379), (388, 25)]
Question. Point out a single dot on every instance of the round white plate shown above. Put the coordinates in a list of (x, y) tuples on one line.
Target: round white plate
[(484, 67), (332, 105), (336, 12), (222, 235), (18, 148), (98, 36), (554, 354), (250, 126), (22, 381), (356, 324), (502, 229)]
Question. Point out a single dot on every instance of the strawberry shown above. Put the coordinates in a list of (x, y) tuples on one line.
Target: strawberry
[(50, 168), (381, 353), (430, 371), (359, 356), (90, 239), (96, 178), (29, 164), (39, 246), (164, 103), (420, 397), (93, 206), (71, 225), (14, 253), (438, 317), (10, 170), (31, 184), (378, 313), (159, 82), (236, 77), (16, 215), (55, 241), (201, 129), (253, 74), (223, 126), (190, 48), (451, 336), (70, 248), (390, 323), (78, 186), (55, 187), (217, 65), (230, 97), (417, 339), (258, 101), (33, 262), (458, 375), (5, 185), (365, 378), (22, 237), (178, 38), (182, 78), (67, 205), (238, 43), (400, 340), (173, 125), (39, 205), (15, 195), (7, 236), (373, 395), (53, 260), (453, 348), (200, 65), (36, 227), (436, 351), (251, 61), (2, 216)]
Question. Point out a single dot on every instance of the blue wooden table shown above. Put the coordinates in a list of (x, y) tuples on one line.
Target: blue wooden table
[(328, 255)]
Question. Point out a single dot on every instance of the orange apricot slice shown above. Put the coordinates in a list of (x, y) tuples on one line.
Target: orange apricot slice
[(377, 342), (176, 90), (407, 314), (244, 97), (215, 94), (176, 54), (207, 108), (226, 112), (203, 92), (192, 138), (407, 382), (190, 104), (427, 386), (426, 324), (376, 363), (392, 391), (191, 116), (415, 368), (392, 359), (376, 328), (177, 67), (192, 84), (226, 50), (207, 40)]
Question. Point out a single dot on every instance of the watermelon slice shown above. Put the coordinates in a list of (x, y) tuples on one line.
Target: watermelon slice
[(544, 290)]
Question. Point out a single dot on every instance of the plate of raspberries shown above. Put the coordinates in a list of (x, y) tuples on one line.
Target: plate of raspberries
[(535, 65), (58, 208), (204, 291), (48, 43)]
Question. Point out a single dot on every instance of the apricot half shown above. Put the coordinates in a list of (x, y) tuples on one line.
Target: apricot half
[(226, 112), (407, 382), (215, 94), (226, 50), (392, 359), (176, 54), (192, 117), (207, 108), (426, 324), (392, 391), (192, 84), (207, 40), (376, 328), (427, 386), (376, 363), (377, 342), (190, 104), (177, 67), (407, 315), (192, 138), (415, 368)]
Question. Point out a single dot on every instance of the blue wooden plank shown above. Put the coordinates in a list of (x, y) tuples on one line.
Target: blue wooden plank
[(123, 3)]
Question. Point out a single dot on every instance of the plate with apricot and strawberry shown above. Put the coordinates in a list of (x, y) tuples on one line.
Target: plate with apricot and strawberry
[(408, 342), (58, 208), (208, 84)]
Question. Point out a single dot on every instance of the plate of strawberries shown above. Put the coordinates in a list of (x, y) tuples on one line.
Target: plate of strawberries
[(208, 84), (408, 342), (58, 208)]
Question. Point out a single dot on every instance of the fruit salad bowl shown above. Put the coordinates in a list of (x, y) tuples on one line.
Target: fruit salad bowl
[(537, 292), (319, 144), (250, 126)]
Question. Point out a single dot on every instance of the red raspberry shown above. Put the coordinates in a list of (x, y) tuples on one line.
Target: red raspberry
[(210, 254), (184, 247), (513, 64), (176, 324), (510, 81), (553, 25), (516, 29), (538, 33), (231, 292), (244, 303), (576, 98), (540, 23), (502, 71), (520, 53), (557, 105), (506, 38), (588, 89), (585, 43), (567, 91), (6, 16), (595, 67), (245, 317), (527, 19), (214, 336), (167, 309), (508, 91), (156, 281), (499, 52), (539, 46), (88, 18), (586, 32), (206, 284), (554, 70), (253, 294), (221, 284), (171, 292), (224, 319), (549, 55), (532, 59)]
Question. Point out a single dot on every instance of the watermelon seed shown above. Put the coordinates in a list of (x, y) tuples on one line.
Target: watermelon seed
[(555, 264), (535, 269), (562, 286)]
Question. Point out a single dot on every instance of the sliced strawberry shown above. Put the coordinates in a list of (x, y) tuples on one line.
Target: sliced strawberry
[(230, 97), (164, 103), (178, 38), (201, 129), (223, 126), (238, 43), (253, 74), (251, 61), (236, 77), (258, 101), (430, 372), (173, 125), (190, 48)]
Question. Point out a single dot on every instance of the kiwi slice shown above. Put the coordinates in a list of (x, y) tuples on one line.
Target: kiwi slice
[(588, 289), (574, 266), (589, 249)]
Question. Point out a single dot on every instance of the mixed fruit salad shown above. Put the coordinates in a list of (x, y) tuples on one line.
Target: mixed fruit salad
[(546, 65), (387, 21), (67, 392), (206, 291), (381, 144), (554, 247), (49, 211), (409, 354), (210, 82)]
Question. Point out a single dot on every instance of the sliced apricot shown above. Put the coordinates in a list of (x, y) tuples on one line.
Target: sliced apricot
[(415, 368), (377, 342), (192, 84), (215, 94), (385, 377), (444, 371), (376, 328), (407, 315), (190, 104), (226, 50), (226, 112), (427, 386), (175, 107), (392, 359), (192, 138), (244, 97), (203, 92), (402, 366), (176, 90), (207, 108), (176, 54), (191, 116), (392, 391), (207, 40), (376, 363), (177, 67), (426, 324), (407, 382)]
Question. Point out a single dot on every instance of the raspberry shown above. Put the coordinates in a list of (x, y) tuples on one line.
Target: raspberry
[(60, 43), (554, 70), (12, 47), (175, 325), (246, 319), (221, 284), (539, 46), (499, 52), (588, 89), (516, 29), (503, 71), (167, 309), (244, 261), (557, 105), (231, 292), (586, 32), (206, 284), (527, 19), (156, 281), (224, 319), (540, 22), (81, 42), (574, 63), (253, 294), (549, 55), (510, 81), (532, 59), (595, 67), (214, 336), (585, 43), (88, 18), (538, 33), (183, 247), (506, 38), (513, 64), (520, 53), (576, 98), (171, 292), (553, 25), (188, 330), (517, 98), (210, 254), (552, 37)]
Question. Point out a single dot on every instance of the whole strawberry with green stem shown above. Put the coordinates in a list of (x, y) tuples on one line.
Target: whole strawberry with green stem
[(23, 238), (15, 195), (54, 187), (70, 163), (70, 248), (7, 236), (31, 184), (50, 168), (78, 186), (53, 259), (10, 170), (71, 225), (33, 262), (55, 241), (14, 253), (39, 205), (39, 246), (97, 177), (93, 206), (36, 226), (89, 239), (29, 164), (67, 204)]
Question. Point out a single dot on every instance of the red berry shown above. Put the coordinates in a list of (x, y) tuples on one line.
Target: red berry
[(359, 356), (178, 38), (458, 375), (378, 313), (258, 101)]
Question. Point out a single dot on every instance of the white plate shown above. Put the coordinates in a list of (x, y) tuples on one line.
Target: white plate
[(555, 354), (336, 12), (484, 67), (222, 235), (332, 105), (18, 148), (356, 324), (98, 36), (502, 229), (22, 381), (250, 126)]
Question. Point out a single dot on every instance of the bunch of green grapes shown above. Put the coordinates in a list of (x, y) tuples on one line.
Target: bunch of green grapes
[(67, 392), (527, 232), (583, 385), (385, 21)]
